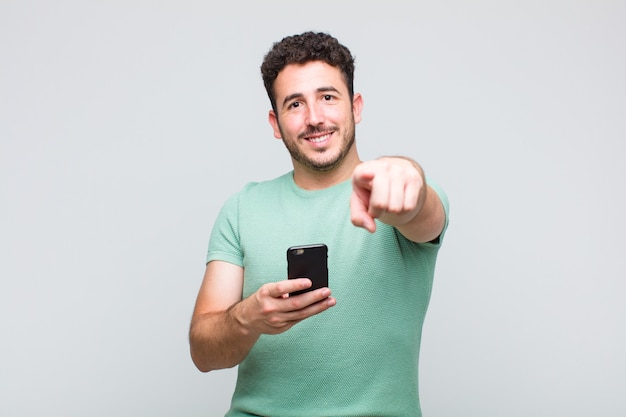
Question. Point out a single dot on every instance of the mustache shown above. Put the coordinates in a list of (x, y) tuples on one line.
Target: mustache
[(313, 130)]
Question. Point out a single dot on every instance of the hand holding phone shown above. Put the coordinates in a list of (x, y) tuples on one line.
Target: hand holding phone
[(308, 261)]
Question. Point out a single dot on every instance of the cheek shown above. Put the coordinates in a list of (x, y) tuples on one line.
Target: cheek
[(282, 127), (291, 125)]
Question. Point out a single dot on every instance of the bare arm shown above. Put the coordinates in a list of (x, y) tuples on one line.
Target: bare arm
[(394, 190), (224, 327)]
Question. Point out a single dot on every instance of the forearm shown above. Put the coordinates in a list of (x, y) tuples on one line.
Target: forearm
[(224, 327), (218, 340)]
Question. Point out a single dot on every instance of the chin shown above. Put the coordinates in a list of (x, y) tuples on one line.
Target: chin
[(325, 166)]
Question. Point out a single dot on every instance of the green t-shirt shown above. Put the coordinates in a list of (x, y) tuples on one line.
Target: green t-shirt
[(359, 358)]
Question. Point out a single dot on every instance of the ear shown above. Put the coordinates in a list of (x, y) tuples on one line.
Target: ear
[(357, 107), (273, 119)]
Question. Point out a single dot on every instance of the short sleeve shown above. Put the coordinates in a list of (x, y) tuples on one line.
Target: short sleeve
[(224, 243)]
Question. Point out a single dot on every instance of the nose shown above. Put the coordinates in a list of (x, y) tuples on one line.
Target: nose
[(315, 115)]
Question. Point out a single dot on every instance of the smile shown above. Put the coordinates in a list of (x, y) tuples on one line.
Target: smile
[(319, 139)]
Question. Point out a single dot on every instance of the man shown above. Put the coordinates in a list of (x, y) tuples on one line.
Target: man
[(354, 353)]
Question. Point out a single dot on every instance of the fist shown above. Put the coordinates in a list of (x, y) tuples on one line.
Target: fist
[(391, 189)]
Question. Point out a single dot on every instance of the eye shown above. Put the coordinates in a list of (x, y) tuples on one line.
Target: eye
[(294, 105), (328, 97)]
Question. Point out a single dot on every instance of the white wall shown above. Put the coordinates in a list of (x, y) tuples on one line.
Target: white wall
[(125, 125)]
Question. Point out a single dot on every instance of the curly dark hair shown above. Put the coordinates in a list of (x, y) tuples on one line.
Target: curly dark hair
[(303, 48)]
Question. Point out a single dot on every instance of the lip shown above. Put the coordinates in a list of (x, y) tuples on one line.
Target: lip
[(319, 140)]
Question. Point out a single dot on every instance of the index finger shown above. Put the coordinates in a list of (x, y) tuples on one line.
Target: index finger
[(281, 289), (362, 177)]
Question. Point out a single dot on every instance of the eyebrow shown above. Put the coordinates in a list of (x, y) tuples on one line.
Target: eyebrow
[(319, 90)]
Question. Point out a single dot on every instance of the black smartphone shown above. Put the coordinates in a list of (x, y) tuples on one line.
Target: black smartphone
[(308, 261)]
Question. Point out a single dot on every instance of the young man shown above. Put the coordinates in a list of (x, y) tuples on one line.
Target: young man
[(352, 353)]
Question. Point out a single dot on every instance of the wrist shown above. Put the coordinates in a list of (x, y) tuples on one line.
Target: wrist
[(238, 320)]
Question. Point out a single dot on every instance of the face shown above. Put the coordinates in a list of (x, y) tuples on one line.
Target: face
[(314, 116)]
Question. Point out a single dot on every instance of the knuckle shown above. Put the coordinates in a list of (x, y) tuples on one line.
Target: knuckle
[(274, 321), (280, 288), (268, 309), (265, 290), (295, 303)]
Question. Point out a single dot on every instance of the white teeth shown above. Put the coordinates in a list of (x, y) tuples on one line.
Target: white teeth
[(320, 139)]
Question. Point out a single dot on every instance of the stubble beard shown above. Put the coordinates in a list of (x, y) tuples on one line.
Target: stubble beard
[(321, 165)]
